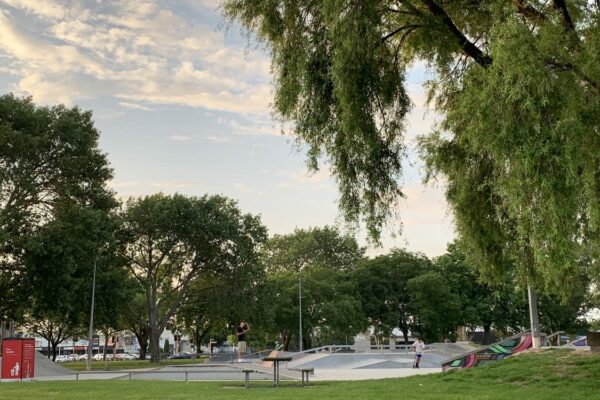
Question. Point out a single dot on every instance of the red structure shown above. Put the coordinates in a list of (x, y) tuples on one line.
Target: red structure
[(18, 359)]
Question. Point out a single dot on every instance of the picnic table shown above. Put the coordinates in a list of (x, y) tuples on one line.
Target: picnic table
[(276, 360)]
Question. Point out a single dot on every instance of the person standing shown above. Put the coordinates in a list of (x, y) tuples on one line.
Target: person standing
[(419, 346), (242, 330)]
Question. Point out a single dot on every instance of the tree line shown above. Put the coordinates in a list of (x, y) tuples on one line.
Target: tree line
[(197, 264)]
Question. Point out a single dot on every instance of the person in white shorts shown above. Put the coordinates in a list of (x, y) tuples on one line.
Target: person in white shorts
[(419, 346)]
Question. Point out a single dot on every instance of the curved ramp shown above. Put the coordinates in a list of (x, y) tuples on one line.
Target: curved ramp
[(497, 351)]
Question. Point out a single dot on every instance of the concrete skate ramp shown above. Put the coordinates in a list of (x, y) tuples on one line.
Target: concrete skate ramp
[(370, 361), (453, 349), (45, 367), (497, 351)]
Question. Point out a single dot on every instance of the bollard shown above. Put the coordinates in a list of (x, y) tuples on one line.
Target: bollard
[(130, 376), (186, 376), (77, 376)]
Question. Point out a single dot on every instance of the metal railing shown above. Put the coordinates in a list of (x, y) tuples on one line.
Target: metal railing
[(399, 348), (130, 375)]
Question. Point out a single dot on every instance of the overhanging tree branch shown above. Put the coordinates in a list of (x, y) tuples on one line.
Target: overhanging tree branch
[(466, 45), (529, 11), (567, 22), (408, 28)]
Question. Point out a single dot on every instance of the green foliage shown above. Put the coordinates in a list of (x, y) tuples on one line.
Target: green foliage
[(171, 241), (316, 246), (435, 305), (323, 259), (383, 290), (501, 306), (518, 149), (331, 313), (342, 90), (166, 347), (59, 261), (50, 165), (517, 84)]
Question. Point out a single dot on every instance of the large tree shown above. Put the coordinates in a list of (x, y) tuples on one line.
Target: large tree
[(49, 158), (500, 306), (383, 290), (59, 261), (170, 241), (517, 84), (325, 246), (323, 258), (331, 311)]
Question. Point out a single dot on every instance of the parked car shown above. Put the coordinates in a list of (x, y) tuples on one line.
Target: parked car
[(61, 358), (184, 355), (125, 356)]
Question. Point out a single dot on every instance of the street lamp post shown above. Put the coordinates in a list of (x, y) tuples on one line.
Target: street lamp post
[(91, 330), (300, 310)]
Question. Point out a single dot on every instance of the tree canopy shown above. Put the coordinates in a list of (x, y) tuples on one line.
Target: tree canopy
[(171, 241), (49, 163), (384, 293), (516, 82), (303, 248)]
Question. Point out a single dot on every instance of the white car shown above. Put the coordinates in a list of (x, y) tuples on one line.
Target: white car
[(125, 356), (62, 358)]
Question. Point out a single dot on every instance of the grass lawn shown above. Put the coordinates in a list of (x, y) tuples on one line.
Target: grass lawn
[(124, 365), (551, 374)]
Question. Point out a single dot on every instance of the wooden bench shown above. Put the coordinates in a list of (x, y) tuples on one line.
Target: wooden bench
[(247, 379)]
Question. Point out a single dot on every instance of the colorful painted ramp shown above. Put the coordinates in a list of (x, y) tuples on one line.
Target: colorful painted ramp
[(496, 351)]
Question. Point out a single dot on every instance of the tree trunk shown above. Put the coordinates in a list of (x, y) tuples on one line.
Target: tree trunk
[(154, 346), (533, 316), (486, 334), (405, 335), (54, 346), (199, 335), (142, 338), (154, 329), (143, 342), (114, 349), (104, 350)]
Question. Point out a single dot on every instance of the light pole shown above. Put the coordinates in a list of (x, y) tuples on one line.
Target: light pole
[(300, 309), (91, 330)]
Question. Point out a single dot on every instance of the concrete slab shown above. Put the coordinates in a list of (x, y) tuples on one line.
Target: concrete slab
[(368, 374)]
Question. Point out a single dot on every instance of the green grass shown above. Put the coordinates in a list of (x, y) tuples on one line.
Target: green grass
[(552, 374), (126, 365)]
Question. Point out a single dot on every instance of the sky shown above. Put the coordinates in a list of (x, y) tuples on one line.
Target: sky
[(182, 100)]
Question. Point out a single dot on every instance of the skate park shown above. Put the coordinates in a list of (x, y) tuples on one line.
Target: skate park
[(325, 363)]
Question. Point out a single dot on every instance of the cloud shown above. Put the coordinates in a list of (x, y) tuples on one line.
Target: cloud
[(252, 126), (134, 106), (123, 184), (321, 179), (180, 138), (138, 51), (176, 185), (218, 139), (242, 187)]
